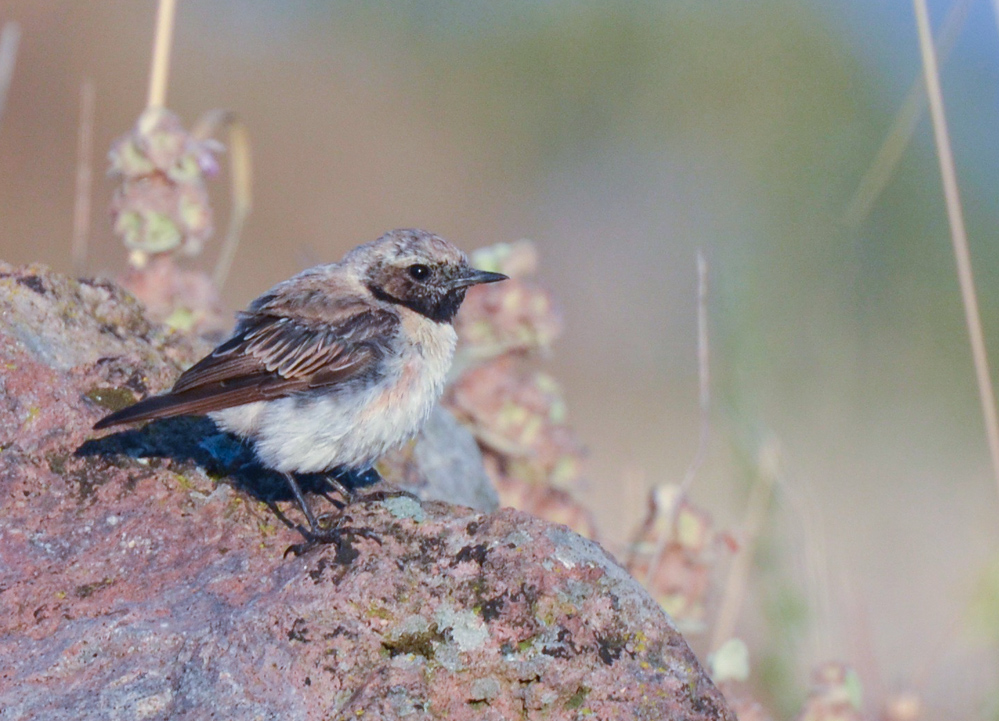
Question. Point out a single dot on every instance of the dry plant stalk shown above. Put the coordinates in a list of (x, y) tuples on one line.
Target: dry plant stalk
[(10, 38), (159, 72), (738, 573), (904, 126), (958, 233), (704, 402), (241, 171)]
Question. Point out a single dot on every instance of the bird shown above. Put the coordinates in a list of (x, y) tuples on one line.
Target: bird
[(334, 367)]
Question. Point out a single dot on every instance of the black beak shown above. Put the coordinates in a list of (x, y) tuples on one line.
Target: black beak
[(476, 277)]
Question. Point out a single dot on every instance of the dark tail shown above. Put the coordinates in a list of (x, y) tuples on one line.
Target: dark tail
[(193, 401), (163, 406)]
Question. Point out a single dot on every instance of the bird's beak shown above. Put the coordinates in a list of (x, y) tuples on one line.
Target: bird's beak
[(472, 276)]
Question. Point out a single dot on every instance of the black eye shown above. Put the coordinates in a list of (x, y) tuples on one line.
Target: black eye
[(419, 271)]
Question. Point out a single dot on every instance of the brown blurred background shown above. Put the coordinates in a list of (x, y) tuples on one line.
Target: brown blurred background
[(623, 137)]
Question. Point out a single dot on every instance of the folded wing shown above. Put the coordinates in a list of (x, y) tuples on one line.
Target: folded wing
[(270, 356)]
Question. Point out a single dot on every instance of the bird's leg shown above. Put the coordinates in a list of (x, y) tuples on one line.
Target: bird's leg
[(376, 496), (335, 532), (300, 497), (370, 477), (346, 493), (316, 534), (336, 535), (349, 496)]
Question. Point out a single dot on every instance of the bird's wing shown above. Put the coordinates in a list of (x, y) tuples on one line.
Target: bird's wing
[(270, 356)]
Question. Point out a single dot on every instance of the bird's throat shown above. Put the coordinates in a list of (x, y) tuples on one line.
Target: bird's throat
[(438, 307)]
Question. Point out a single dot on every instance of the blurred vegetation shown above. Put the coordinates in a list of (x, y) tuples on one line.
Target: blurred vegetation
[(769, 103)]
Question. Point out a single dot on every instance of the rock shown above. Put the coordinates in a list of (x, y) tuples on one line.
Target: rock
[(143, 575), (448, 465), (70, 351)]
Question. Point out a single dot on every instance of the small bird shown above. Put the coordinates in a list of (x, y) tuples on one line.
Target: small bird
[(335, 366)]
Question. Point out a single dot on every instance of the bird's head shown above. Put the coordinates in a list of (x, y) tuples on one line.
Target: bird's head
[(418, 270)]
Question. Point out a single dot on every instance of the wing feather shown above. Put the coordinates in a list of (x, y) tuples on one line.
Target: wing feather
[(270, 356)]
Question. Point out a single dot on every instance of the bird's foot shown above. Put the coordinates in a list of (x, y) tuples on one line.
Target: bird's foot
[(336, 534), (376, 496), (348, 494), (354, 479), (329, 529)]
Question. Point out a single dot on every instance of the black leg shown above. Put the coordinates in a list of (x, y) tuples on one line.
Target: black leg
[(293, 484), (364, 478), (334, 533), (317, 534), (346, 481), (348, 494), (376, 496)]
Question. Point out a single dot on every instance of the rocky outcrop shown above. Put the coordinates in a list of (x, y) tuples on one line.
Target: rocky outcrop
[(143, 573)]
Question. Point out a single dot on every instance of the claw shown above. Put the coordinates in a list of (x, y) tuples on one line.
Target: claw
[(328, 528), (348, 495), (334, 536), (376, 496)]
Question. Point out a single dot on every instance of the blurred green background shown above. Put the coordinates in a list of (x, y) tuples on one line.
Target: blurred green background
[(622, 137)]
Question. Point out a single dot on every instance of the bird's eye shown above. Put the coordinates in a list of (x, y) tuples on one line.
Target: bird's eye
[(419, 271)]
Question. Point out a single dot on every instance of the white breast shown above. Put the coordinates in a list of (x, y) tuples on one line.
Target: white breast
[(352, 426)]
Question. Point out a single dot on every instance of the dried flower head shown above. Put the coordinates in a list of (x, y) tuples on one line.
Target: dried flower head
[(183, 299), (516, 412), (519, 415), (512, 317), (675, 553), (161, 204)]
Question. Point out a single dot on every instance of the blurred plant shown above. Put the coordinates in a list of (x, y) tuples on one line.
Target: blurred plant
[(959, 234), (729, 668), (518, 415), (835, 695), (182, 298), (161, 208), (516, 412), (905, 706), (514, 317), (677, 540), (552, 504), (161, 204)]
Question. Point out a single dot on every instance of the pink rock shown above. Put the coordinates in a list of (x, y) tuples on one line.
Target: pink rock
[(135, 586)]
